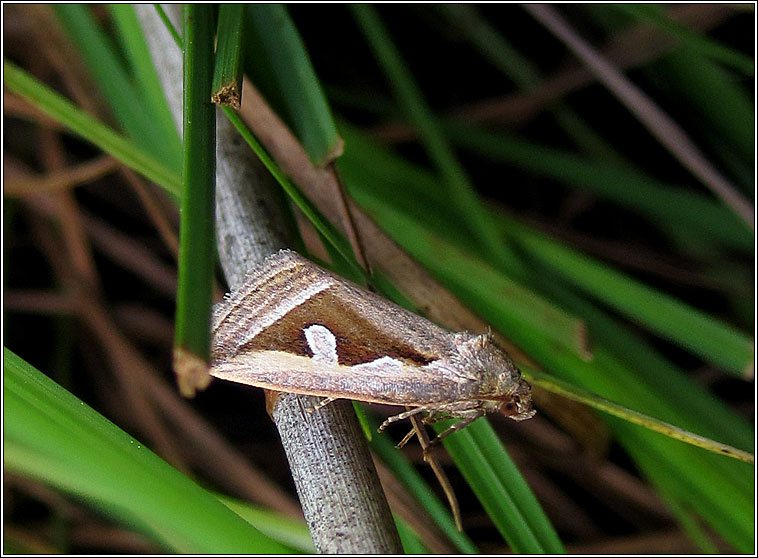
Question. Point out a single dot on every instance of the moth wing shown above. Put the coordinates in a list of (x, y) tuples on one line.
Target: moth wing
[(385, 380), (276, 303)]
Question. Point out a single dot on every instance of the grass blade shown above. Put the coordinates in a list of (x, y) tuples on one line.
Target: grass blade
[(62, 110), (197, 240), (55, 438), (147, 82), (280, 67), (114, 83), (687, 326), (227, 77), (501, 489), (555, 385)]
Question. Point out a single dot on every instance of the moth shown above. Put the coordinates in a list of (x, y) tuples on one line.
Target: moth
[(295, 327)]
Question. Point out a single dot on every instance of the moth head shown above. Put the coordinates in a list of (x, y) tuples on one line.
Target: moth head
[(518, 405), (501, 379)]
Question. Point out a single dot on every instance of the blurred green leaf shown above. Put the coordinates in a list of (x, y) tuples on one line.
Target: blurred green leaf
[(53, 437), (62, 110), (278, 64), (129, 107)]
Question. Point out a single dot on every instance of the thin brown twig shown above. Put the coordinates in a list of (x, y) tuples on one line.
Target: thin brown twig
[(38, 302), (67, 214), (123, 360), (658, 122), (131, 254), (632, 48), (322, 184), (18, 181), (154, 209)]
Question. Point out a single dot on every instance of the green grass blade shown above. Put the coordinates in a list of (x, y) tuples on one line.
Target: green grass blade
[(686, 326), (407, 474), (689, 523), (555, 385), (667, 206), (695, 479), (227, 76), (169, 25), (278, 64), (197, 241), (114, 83), (724, 110), (55, 438), (63, 111), (501, 489), (146, 77), (284, 529), (410, 540), (458, 186)]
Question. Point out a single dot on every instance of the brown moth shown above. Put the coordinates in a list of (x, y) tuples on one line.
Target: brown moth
[(294, 327)]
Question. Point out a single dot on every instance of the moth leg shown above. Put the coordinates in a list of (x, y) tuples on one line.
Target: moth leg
[(450, 410), (323, 403), (467, 417), (401, 416), (406, 439)]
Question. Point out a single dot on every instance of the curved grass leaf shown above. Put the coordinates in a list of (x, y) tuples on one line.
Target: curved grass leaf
[(65, 112), (555, 385), (279, 65), (55, 438), (132, 112), (146, 78), (685, 325), (497, 482)]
